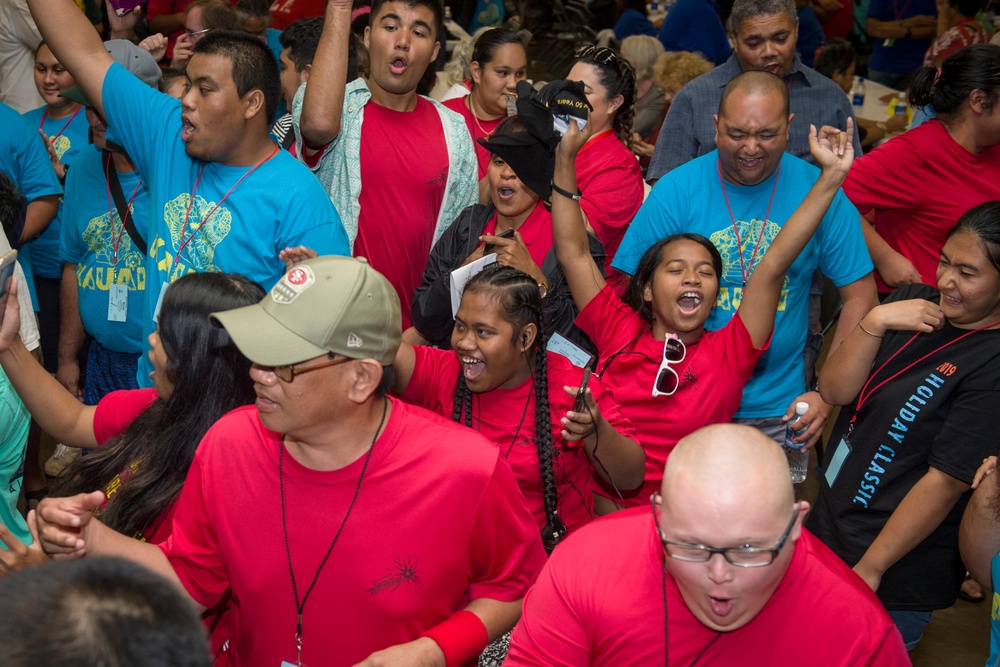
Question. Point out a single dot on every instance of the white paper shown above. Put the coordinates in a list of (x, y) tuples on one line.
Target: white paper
[(463, 274)]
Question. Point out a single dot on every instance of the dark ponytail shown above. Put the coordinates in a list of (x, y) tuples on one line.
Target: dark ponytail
[(521, 304), (948, 87), (618, 78)]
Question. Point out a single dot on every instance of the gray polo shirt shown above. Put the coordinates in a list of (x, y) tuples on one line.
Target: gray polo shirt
[(689, 130)]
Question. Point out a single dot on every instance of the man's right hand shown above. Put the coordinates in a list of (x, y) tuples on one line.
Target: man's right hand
[(896, 271), (64, 524)]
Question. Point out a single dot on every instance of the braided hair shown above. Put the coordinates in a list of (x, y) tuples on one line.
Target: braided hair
[(521, 304), (618, 78)]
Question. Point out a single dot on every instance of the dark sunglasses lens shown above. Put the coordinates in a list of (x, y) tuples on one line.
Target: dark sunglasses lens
[(674, 350), (666, 381)]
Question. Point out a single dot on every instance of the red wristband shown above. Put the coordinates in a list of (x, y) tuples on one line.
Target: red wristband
[(462, 637)]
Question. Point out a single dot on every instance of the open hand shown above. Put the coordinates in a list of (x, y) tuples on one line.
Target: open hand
[(833, 149), (19, 555), (294, 255), (989, 465)]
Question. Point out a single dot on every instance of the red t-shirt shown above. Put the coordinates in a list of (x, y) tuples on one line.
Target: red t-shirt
[(599, 601), (610, 180), (112, 415), (535, 231), (285, 12), (712, 375), (437, 522), (478, 128), (919, 184), (498, 414), (404, 171)]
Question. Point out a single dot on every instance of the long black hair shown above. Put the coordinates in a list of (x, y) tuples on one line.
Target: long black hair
[(643, 276), (521, 304), (210, 377), (983, 221), (975, 67), (618, 78)]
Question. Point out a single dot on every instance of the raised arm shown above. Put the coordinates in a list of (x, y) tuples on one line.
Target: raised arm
[(402, 365), (57, 411), (73, 41), (833, 150), (324, 96), (568, 227)]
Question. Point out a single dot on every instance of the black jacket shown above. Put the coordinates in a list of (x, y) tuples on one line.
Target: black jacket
[(431, 309)]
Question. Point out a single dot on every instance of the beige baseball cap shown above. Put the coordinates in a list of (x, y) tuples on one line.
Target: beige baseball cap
[(326, 304)]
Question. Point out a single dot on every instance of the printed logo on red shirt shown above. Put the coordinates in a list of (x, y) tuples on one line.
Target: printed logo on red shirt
[(403, 572)]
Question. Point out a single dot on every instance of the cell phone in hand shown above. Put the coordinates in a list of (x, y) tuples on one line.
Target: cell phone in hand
[(7, 263), (580, 404), (123, 7), (491, 247)]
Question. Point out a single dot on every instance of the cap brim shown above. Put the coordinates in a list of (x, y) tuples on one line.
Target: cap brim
[(262, 339), (76, 94)]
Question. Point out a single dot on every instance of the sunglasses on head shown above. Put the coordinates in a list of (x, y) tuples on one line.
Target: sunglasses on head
[(602, 55), (667, 379)]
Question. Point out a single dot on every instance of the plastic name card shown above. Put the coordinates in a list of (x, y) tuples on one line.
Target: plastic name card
[(837, 461), (159, 302), (567, 348), (117, 303)]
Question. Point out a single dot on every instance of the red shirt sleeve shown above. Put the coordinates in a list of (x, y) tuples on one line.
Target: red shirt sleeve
[(118, 409), (734, 348), (506, 548), (432, 384)]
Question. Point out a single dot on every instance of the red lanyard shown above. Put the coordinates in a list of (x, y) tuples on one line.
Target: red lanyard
[(763, 224), (121, 216), (900, 12), (194, 191), (863, 396), (45, 114)]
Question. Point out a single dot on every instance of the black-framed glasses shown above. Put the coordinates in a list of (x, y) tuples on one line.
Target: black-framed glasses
[(744, 556), (599, 54), (667, 379), (289, 372)]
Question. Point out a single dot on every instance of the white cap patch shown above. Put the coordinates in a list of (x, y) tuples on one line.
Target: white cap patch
[(292, 284), (353, 340)]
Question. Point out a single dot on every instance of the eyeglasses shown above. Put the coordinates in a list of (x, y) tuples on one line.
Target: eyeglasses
[(198, 33), (288, 373), (744, 556), (602, 55), (667, 379)]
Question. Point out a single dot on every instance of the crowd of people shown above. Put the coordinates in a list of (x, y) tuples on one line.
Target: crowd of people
[(356, 376)]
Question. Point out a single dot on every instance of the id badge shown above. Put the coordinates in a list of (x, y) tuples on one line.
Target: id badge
[(159, 302), (117, 302), (837, 461)]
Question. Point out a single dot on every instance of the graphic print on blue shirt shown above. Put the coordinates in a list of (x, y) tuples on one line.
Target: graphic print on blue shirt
[(279, 205)]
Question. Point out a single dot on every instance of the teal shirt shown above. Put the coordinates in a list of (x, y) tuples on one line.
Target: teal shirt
[(14, 421), (339, 170)]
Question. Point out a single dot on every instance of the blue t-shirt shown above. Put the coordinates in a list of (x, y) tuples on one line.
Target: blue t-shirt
[(71, 135), (633, 22), (694, 25), (14, 422), (688, 200), (994, 658), (904, 55), (103, 251), (810, 35), (280, 204)]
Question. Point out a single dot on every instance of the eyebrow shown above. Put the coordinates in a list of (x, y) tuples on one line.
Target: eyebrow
[(784, 32), (203, 79)]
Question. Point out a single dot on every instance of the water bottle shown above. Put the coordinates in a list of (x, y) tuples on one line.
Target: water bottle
[(858, 95), (899, 107), (798, 460)]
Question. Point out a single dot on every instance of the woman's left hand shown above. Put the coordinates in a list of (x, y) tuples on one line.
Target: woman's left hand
[(513, 253), (573, 140), (50, 146), (580, 425)]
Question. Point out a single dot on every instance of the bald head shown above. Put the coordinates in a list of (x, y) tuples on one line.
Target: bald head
[(756, 83), (730, 463)]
